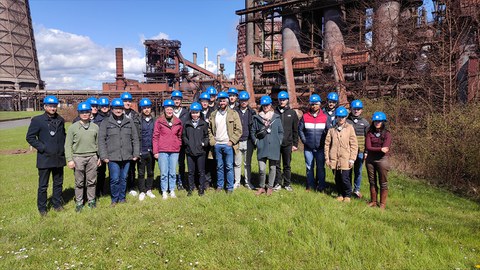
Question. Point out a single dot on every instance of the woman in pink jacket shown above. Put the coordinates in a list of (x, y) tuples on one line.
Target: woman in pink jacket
[(167, 139)]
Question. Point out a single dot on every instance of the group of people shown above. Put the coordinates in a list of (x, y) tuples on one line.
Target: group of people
[(215, 135)]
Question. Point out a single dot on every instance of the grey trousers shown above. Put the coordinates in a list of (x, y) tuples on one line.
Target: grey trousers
[(262, 168), (243, 154), (85, 175)]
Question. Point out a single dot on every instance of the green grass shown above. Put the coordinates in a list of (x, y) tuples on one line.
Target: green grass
[(422, 228), (17, 115)]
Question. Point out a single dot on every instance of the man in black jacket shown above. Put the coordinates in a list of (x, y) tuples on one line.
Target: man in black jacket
[(182, 114), (130, 113), (46, 133), (290, 141)]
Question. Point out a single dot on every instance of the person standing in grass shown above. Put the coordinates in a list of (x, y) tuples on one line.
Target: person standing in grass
[(167, 141), (147, 160), (312, 131), (361, 126), (133, 115), (195, 139), (46, 133), (118, 145), (341, 150), (81, 147), (102, 184), (267, 131), (210, 165), (377, 144)]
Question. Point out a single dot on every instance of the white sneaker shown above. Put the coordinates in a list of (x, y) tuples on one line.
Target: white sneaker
[(164, 195), (141, 197), (277, 187), (236, 186), (150, 194), (133, 193), (172, 194)]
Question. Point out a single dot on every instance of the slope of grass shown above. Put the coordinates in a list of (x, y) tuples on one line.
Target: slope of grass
[(423, 227), (10, 115)]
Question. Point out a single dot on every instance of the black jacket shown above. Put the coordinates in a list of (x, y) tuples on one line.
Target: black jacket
[(194, 139), (247, 122), (290, 126), (47, 135)]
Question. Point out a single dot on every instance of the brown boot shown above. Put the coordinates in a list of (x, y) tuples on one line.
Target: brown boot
[(373, 196), (383, 198), (260, 191), (269, 192)]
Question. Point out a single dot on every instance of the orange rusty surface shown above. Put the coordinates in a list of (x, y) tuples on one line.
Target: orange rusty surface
[(355, 58)]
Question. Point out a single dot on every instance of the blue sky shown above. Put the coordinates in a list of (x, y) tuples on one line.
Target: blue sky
[(76, 38)]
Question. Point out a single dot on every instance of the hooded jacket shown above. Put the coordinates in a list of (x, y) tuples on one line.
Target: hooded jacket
[(166, 138)]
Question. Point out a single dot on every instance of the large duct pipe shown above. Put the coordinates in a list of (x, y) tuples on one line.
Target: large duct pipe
[(334, 46), (385, 31), (288, 57), (119, 78), (248, 75), (290, 29), (250, 33)]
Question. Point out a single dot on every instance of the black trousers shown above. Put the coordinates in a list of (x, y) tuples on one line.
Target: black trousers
[(146, 162), (286, 158), (210, 170), (43, 177), (196, 166), (102, 184), (181, 180), (131, 175), (343, 182)]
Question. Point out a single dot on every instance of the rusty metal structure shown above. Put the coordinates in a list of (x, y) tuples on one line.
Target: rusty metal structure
[(351, 47), (19, 71)]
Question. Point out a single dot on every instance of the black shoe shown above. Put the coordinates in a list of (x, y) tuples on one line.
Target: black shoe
[(201, 193), (189, 193), (180, 187), (78, 208), (92, 204), (43, 213), (59, 209)]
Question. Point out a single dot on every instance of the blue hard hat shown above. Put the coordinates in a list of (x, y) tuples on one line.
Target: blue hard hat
[(205, 96), (332, 96), (176, 94), (126, 96), (103, 101), (243, 95), (265, 100), (222, 95), (232, 91), (92, 100), (315, 98), (341, 112), (195, 106), (145, 102), (357, 104), (117, 102), (50, 100), (379, 116), (211, 90), (283, 95), (168, 103), (84, 106)]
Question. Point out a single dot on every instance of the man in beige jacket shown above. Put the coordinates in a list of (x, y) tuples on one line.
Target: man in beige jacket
[(341, 149)]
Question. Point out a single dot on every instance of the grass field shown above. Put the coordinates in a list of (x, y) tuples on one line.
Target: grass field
[(422, 228), (17, 115)]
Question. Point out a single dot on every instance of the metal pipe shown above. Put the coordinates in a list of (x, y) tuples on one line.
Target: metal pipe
[(206, 57), (218, 64), (195, 58)]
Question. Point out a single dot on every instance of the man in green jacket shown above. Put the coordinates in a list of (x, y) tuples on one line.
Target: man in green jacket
[(81, 154)]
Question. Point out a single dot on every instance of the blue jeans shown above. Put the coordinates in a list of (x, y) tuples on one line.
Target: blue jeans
[(224, 156), (357, 172), (167, 162), (118, 171), (318, 156)]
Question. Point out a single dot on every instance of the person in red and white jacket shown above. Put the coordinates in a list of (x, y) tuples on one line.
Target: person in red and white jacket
[(312, 131)]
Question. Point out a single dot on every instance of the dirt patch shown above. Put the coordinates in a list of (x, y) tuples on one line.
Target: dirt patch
[(15, 152)]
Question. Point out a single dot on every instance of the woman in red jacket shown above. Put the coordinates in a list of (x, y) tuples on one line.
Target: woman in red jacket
[(167, 139), (377, 144)]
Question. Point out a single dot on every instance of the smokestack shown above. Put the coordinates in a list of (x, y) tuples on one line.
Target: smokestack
[(119, 79), (195, 58), (206, 57)]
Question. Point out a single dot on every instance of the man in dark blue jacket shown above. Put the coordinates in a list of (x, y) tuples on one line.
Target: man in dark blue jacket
[(46, 133), (147, 160)]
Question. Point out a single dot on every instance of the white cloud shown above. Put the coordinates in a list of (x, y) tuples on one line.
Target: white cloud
[(233, 57), (71, 61), (211, 66), (222, 52)]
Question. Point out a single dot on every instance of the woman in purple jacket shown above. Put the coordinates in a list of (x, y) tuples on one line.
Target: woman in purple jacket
[(377, 145), (167, 140)]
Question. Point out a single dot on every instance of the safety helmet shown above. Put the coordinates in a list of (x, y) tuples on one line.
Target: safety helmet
[(341, 112), (145, 102), (176, 94), (195, 106), (265, 100), (357, 104), (126, 96), (222, 95), (117, 102), (50, 100), (243, 95), (84, 106), (92, 100), (379, 116), (332, 96), (211, 90), (232, 91), (168, 103), (283, 95), (204, 96), (103, 101), (315, 98)]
